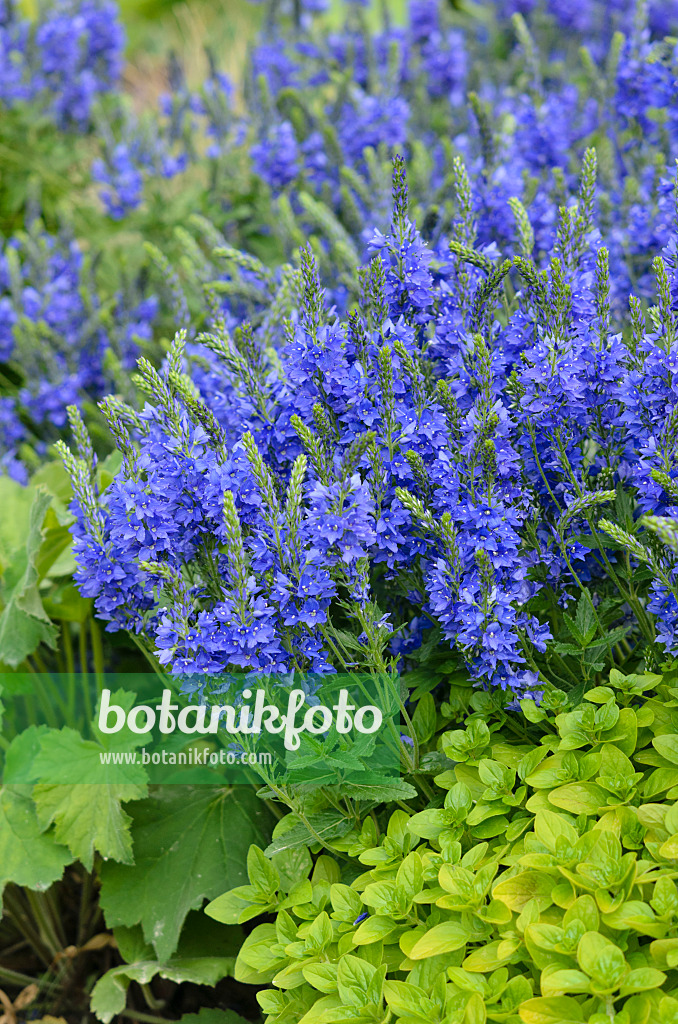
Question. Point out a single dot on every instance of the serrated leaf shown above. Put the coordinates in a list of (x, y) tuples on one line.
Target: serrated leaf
[(87, 815), (27, 857), (24, 623), (327, 824)]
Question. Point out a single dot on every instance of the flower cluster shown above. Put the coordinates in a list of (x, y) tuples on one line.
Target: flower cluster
[(65, 62), (334, 105), (327, 109), (58, 341), (430, 467), (189, 128), (409, 439)]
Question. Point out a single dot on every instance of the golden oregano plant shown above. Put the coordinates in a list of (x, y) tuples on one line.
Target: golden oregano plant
[(538, 886)]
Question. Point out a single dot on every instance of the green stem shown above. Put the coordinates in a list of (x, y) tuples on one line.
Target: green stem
[(84, 908), (643, 622), (145, 1018), (151, 1001), (563, 548), (152, 660), (49, 694), (70, 669), (15, 978), (282, 796), (97, 653), (44, 701), (84, 675), (15, 909), (41, 913), (55, 917)]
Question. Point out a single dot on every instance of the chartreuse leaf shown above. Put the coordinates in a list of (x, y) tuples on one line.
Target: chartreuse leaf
[(556, 1010), (258, 962), (27, 856), (442, 938), (517, 891), (667, 746), (189, 844), (24, 623), (602, 961), (353, 980), (564, 914), (408, 1001), (579, 798)]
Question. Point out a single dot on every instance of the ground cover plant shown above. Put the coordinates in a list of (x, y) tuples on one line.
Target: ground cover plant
[(389, 391)]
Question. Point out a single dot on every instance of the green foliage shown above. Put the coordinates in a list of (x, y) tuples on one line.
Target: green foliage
[(190, 962), (24, 623), (36, 563), (537, 885), (88, 815), (27, 856), (186, 841)]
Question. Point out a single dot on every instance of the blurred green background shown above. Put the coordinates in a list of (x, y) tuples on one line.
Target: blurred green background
[(155, 27), (185, 27)]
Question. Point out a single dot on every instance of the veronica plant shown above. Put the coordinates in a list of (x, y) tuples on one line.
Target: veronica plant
[(59, 342), (428, 471)]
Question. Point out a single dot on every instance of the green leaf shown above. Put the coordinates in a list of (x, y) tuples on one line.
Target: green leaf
[(262, 874), (424, 718), (408, 1001), (327, 824), (667, 746), (642, 980), (579, 798), (557, 981), (517, 891), (353, 979), (110, 992), (429, 824), (410, 877), (381, 793), (557, 1010), (372, 930), (346, 903), (189, 843), (637, 916), (602, 960), (24, 624), (321, 976), (27, 857), (207, 1015), (292, 865), (442, 938), (88, 816), (236, 906), (257, 964), (549, 827)]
